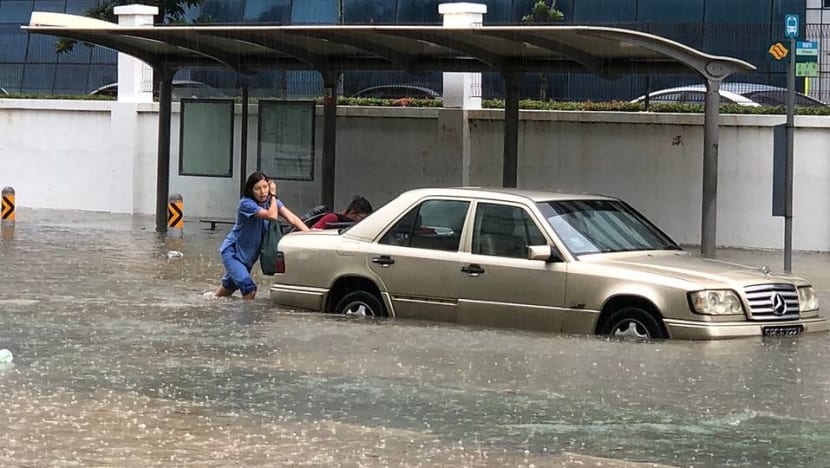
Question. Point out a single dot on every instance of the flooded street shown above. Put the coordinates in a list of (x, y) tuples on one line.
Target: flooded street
[(120, 359)]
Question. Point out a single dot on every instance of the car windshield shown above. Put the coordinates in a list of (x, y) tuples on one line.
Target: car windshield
[(601, 226)]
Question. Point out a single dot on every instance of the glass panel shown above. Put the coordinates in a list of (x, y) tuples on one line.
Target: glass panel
[(504, 231), (71, 78), (206, 143), (100, 75), (286, 139), (314, 12), (419, 12), (676, 11), (79, 7), (434, 224), (604, 11), (368, 11), (597, 226), (42, 49), (38, 78), (14, 42), (267, 11), (223, 11), (11, 77), (102, 55), (16, 11), (57, 6), (81, 53)]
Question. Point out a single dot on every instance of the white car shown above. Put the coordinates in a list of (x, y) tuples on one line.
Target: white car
[(744, 94)]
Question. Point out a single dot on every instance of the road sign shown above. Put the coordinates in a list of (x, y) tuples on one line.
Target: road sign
[(806, 58), (778, 51), (806, 69), (791, 25), (806, 48)]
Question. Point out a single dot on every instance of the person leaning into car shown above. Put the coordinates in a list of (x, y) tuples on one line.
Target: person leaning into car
[(358, 209), (258, 206)]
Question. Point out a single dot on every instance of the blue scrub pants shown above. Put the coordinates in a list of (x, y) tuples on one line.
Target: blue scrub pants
[(237, 274)]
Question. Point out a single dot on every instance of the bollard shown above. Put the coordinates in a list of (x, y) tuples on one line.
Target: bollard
[(175, 216), (7, 212)]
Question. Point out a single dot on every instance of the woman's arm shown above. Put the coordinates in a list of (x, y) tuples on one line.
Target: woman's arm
[(292, 218), (272, 213)]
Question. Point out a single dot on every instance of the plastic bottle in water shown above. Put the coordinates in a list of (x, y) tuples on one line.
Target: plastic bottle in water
[(6, 356)]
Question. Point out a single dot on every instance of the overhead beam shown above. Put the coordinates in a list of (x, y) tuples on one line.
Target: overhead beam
[(314, 61), (191, 42), (377, 49), (488, 58)]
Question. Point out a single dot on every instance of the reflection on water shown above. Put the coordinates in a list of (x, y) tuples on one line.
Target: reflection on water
[(120, 359)]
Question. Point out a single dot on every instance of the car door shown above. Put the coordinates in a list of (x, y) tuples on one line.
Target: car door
[(418, 261), (500, 286)]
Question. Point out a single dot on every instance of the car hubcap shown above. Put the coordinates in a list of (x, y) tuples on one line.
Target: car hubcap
[(358, 309), (631, 329)]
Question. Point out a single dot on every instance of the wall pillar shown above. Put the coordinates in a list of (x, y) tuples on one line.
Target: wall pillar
[(135, 78), (462, 90)]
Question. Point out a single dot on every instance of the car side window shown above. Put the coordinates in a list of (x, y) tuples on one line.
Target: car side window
[(504, 231), (434, 224)]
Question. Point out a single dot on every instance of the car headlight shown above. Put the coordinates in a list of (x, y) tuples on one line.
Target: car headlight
[(807, 299), (716, 302)]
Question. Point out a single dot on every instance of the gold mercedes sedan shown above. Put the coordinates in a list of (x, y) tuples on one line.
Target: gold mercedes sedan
[(545, 261)]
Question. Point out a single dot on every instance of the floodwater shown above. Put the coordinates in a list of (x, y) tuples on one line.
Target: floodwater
[(121, 361)]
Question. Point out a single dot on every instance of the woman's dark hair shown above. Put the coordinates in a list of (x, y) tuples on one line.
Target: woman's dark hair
[(359, 205), (255, 177)]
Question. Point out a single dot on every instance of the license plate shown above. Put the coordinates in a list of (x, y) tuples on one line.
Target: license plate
[(785, 330)]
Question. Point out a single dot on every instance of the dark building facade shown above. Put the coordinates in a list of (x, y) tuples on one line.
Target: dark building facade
[(740, 28)]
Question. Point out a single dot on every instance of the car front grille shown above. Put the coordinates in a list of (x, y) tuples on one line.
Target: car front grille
[(772, 301)]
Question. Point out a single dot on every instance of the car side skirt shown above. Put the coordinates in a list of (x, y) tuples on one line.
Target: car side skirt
[(299, 296), (689, 330)]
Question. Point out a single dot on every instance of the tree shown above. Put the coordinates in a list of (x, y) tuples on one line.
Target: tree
[(541, 14), (171, 11)]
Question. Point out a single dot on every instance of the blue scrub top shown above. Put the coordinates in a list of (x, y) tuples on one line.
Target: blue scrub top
[(246, 235)]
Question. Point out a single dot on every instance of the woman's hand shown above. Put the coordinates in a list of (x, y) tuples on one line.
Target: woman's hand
[(272, 188)]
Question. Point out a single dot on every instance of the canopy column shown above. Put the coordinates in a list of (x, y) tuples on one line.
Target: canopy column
[(709, 216), (163, 158), (329, 138), (510, 161)]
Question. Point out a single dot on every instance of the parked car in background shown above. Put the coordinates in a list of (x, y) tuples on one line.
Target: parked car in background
[(544, 261), (744, 94), (395, 91), (181, 89)]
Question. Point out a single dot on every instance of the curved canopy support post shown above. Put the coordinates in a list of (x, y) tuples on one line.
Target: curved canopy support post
[(330, 79), (709, 216), (163, 159), (510, 162)]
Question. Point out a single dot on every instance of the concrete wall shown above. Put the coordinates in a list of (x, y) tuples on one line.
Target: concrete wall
[(93, 155)]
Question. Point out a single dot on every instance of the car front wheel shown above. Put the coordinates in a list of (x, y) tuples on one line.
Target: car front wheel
[(360, 304), (633, 323)]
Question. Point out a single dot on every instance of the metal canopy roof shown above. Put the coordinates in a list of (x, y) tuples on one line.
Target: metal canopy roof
[(608, 52), (509, 50)]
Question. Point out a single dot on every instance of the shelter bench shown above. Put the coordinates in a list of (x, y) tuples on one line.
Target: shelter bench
[(214, 221)]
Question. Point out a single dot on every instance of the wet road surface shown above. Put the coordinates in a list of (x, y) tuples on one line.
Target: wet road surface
[(121, 360)]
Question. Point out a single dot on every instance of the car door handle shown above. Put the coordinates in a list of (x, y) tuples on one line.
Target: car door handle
[(384, 260), (472, 270)]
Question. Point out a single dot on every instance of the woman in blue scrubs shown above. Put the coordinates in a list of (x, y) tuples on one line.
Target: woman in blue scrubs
[(258, 206)]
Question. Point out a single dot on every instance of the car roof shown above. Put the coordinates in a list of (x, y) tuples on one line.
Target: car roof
[(734, 90), (370, 226), (402, 87)]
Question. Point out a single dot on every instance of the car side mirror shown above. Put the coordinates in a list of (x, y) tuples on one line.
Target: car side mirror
[(548, 253)]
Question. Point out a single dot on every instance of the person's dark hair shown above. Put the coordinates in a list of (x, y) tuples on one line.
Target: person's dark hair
[(360, 205), (255, 177)]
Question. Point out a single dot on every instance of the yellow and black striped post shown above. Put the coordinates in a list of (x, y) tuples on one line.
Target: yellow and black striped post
[(7, 211), (175, 216)]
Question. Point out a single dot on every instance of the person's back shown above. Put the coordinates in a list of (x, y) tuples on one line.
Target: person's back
[(358, 209)]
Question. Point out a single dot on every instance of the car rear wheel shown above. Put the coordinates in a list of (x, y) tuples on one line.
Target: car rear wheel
[(633, 323), (360, 304)]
